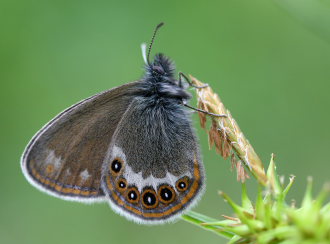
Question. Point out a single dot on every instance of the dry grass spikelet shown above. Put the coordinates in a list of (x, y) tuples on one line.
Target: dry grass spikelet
[(226, 136)]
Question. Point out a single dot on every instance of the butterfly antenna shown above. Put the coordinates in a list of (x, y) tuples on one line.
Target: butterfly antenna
[(152, 40)]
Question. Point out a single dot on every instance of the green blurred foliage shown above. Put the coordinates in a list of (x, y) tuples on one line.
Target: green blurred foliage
[(271, 72), (314, 14)]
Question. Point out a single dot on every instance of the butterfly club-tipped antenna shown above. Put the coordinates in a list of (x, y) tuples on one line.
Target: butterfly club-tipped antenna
[(152, 40)]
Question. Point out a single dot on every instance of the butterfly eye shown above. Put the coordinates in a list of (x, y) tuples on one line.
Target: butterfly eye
[(182, 184), (133, 195), (166, 194), (158, 69), (116, 166), (149, 199)]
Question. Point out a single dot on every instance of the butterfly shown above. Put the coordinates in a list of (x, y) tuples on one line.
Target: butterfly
[(133, 146)]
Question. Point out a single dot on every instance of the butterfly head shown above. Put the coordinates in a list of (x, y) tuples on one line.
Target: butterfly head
[(159, 76), (161, 69)]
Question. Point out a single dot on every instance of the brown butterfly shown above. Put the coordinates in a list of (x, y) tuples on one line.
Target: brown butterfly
[(133, 146)]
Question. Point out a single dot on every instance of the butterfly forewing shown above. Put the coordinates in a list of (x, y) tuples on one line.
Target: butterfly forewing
[(65, 157), (153, 171)]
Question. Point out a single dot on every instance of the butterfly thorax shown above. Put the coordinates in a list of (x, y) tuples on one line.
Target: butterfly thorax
[(159, 80)]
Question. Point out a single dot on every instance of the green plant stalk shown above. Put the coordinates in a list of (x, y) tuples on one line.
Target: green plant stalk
[(199, 220), (270, 219)]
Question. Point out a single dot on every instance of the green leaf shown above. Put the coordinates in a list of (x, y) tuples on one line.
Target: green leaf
[(273, 180), (199, 219), (246, 202)]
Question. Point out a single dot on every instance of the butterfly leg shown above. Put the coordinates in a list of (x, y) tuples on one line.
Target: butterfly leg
[(203, 111), (182, 75)]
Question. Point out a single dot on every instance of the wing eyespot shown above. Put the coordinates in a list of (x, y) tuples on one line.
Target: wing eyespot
[(116, 166), (133, 195), (182, 184), (149, 198), (166, 194), (121, 184)]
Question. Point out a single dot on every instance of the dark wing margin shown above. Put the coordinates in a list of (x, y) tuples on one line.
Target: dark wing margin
[(65, 157)]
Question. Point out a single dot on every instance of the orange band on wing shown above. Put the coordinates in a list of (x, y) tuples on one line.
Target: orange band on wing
[(193, 189), (60, 188)]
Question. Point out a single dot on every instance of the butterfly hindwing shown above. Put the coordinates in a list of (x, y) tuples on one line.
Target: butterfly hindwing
[(153, 171), (65, 157)]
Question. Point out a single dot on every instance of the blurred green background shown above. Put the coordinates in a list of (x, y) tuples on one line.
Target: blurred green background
[(269, 62)]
